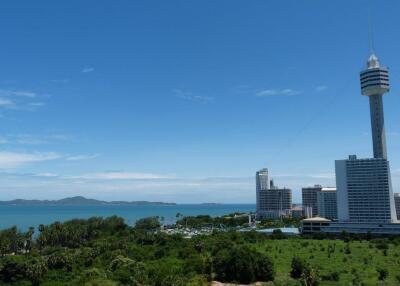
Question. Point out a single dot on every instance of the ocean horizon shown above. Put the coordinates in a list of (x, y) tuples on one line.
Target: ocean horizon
[(25, 216)]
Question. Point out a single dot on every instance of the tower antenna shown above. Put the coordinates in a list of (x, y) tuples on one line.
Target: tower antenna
[(370, 34)]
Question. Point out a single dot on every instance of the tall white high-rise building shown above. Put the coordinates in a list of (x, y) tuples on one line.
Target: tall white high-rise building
[(364, 188), (262, 183)]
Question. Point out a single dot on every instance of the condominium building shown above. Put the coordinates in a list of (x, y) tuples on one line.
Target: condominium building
[(309, 198), (397, 204), (364, 190), (327, 203), (319, 201), (262, 183), (274, 203)]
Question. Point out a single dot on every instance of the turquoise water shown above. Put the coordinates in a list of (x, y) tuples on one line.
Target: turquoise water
[(25, 216)]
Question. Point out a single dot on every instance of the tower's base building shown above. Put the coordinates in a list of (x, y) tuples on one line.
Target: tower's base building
[(364, 191)]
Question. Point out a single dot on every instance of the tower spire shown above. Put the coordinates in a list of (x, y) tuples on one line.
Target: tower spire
[(370, 35)]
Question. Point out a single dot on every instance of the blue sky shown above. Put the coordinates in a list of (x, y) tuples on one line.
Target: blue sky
[(184, 100)]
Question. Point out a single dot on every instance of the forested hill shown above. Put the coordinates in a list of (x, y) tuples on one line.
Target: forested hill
[(78, 200)]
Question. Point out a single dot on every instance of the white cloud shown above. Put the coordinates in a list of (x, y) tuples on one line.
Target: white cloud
[(18, 93), (19, 99), (321, 88), (4, 102), (87, 69), (121, 176), (14, 160), (82, 157), (192, 97), (275, 92), (37, 104), (23, 93), (30, 139), (64, 80), (46, 175)]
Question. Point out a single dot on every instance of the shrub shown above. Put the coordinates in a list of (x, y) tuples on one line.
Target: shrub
[(298, 266), (242, 265), (382, 274), (310, 276), (333, 276)]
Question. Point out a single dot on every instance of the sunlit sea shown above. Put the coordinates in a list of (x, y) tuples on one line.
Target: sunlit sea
[(25, 216)]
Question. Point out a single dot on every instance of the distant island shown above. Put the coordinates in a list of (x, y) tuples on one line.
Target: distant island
[(79, 200)]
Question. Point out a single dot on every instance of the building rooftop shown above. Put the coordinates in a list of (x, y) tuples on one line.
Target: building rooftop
[(327, 189), (373, 62), (316, 219)]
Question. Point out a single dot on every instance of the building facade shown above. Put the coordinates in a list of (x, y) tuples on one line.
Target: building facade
[(274, 203), (309, 199), (327, 203), (364, 185), (364, 190), (322, 225), (397, 204), (262, 184)]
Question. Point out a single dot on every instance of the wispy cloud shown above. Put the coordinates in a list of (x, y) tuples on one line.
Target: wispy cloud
[(277, 92), (4, 102), (192, 97), (16, 99), (3, 140), (14, 160), (64, 80), (30, 139), (24, 93), (37, 104), (82, 157), (46, 175), (87, 69), (321, 88), (20, 93), (121, 176)]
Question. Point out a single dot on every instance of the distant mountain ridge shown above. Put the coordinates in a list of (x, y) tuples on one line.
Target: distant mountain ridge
[(79, 200)]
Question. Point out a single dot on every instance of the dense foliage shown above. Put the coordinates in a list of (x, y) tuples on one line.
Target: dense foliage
[(105, 251)]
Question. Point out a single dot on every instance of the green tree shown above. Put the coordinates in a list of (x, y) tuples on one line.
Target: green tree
[(382, 273), (35, 269), (241, 264), (310, 276), (147, 224), (128, 271), (297, 267)]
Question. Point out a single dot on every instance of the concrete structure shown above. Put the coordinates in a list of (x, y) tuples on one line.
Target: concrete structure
[(262, 183), (364, 190), (364, 185), (308, 212), (397, 204), (319, 201), (323, 225), (374, 83), (297, 211), (327, 203), (309, 199), (274, 203)]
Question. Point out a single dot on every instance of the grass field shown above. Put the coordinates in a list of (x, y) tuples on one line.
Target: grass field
[(356, 262)]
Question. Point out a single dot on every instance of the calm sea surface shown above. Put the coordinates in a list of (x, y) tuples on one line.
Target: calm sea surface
[(25, 216)]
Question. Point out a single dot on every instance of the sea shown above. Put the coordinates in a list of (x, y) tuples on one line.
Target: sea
[(25, 216)]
